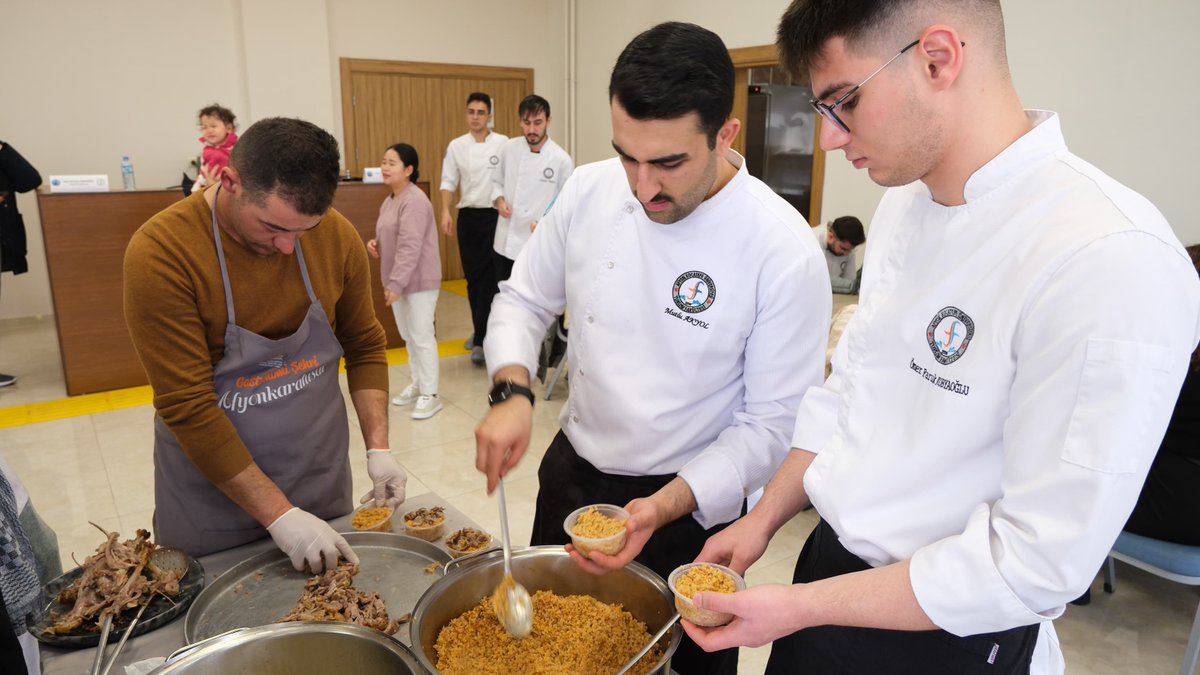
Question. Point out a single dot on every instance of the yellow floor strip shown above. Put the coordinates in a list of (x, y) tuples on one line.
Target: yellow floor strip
[(457, 287), (108, 401)]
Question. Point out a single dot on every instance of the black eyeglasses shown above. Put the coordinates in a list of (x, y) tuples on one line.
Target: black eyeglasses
[(826, 110)]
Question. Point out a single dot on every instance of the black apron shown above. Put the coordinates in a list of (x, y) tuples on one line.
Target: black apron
[(829, 650), (284, 399), (569, 482)]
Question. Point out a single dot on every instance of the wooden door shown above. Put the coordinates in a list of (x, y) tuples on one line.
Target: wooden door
[(424, 105)]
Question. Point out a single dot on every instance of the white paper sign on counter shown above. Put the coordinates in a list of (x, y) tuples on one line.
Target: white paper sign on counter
[(92, 183)]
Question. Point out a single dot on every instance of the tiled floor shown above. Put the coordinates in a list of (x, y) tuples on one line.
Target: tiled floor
[(98, 467)]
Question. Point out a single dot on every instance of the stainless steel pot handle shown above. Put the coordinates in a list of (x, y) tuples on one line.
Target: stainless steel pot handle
[(188, 649)]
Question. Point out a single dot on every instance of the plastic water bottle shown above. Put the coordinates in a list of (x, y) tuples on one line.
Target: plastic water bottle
[(127, 173)]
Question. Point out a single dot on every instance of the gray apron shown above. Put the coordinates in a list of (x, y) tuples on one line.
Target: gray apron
[(283, 398)]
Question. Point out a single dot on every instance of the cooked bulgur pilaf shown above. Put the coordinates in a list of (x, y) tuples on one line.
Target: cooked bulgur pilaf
[(595, 525), (704, 578), (370, 517), (575, 634), (424, 517)]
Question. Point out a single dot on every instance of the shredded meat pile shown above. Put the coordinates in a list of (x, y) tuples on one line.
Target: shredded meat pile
[(332, 597), (117, 577)]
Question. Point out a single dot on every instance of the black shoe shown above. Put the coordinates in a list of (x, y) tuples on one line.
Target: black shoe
[(7, 380), (1085, 599)]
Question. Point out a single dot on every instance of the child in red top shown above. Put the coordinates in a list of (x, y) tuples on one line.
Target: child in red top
[(217, 125)]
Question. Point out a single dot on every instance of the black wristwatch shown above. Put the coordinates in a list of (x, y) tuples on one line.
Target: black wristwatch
[(506, 390)]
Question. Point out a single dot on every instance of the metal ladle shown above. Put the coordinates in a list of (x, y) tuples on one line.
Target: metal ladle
[(510, 601)]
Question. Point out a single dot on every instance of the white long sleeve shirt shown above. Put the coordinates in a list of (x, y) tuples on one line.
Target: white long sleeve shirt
[(528, 181), (999, 395), (691, 343), (471, 166)]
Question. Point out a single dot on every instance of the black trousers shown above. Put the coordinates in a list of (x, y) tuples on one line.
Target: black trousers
[(569, 482), (826, 650), (504, 265), (476, 237)]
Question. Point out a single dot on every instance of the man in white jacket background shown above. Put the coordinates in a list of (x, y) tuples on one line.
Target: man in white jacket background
[(533, 168)]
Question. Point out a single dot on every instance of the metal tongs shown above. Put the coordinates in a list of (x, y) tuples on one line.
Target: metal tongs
[(163, 558)]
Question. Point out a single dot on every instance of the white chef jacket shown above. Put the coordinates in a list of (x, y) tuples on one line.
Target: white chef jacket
[(840, 266), (691, 343), (999, 395), (472, 165), (528, 181)]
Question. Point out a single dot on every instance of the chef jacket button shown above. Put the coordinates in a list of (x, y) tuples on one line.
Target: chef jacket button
[(591, 319), (611, 264), (629, 208), (575, 418)]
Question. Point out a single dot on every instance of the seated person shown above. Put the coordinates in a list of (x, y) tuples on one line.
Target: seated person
[(839, 238), (1169, 506)]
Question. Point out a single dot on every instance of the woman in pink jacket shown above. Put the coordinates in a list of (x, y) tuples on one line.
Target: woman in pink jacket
[(411, 270)]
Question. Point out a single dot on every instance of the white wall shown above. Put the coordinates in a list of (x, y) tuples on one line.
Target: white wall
[(88, 82)]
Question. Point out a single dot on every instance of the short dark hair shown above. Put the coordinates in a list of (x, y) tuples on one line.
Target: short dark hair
[(292, 158), (849, 229), (408, 157), (482, 98), (532, 105), (808, 25), (220, 112), (674, 69)]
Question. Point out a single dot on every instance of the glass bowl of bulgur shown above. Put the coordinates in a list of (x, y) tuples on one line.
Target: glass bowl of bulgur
[(426, 523), (688, 580), (466, 541), (598, 527), (371, 518)]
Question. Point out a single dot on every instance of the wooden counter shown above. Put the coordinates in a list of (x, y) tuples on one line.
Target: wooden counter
[(85, 237)]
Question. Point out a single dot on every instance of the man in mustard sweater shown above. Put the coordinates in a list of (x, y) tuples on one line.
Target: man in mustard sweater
[(240, 327)]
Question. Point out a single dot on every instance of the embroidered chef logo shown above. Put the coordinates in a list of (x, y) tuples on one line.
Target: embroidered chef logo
[(694, 292), (949, 334), (494, 160), (548, 172)]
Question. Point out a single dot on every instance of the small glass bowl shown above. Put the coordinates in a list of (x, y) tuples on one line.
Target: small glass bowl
[(426, 532), (369, 518), (689, 611), (458, 553), (610, 545)]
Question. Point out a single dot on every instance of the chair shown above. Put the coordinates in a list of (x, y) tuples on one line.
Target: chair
[(561, 362), (1176, 562)]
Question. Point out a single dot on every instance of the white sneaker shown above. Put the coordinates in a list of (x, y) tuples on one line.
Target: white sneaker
[(407, 396), (427, 406)]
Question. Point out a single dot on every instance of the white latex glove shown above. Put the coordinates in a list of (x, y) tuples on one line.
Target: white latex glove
[(389, 478), (304, 537)]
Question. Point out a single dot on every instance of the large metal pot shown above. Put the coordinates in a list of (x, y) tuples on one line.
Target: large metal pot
[(642, 593), (295, 648)]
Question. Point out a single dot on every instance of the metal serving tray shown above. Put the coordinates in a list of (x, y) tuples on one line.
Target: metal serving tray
[(265, 588)]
